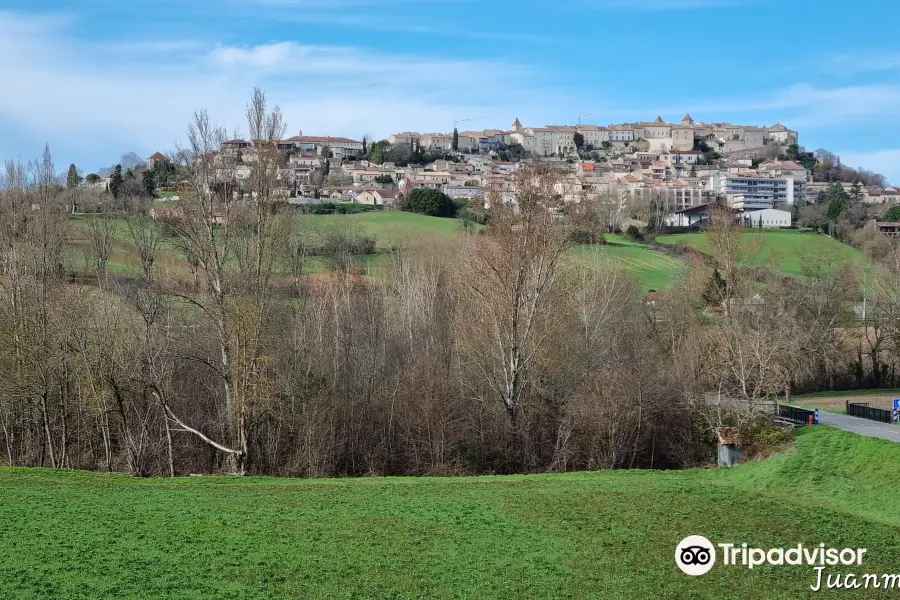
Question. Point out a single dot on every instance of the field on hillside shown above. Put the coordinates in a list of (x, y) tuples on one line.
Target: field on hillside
[(76, 535), (390, 227), (785, 251), (653, 270), (836, 400)]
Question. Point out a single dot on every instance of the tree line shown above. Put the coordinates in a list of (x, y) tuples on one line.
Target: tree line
[(492, 353)]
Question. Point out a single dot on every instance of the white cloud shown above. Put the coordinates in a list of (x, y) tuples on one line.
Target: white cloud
[(886, 162), (73, 94)]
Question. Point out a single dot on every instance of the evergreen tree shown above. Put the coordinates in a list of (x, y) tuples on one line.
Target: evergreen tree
[(430, 202), (835, 208), (115, 182), (455, 144), (378, 152), (149, 182), (856, 193), (365, 144), (72, 177)]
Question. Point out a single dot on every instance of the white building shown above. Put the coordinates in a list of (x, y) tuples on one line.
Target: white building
[(437, 141), (658, 134), (408, 138), (771, 218), (782, 135), (526, 140), (621, 133), (593, 135), (470, 141), (340, 147), (682, 157), (746, 192), (694, 216)]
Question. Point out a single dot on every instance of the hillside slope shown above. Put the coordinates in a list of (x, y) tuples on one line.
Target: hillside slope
[(784, 251), (79, 535), (652, 269)]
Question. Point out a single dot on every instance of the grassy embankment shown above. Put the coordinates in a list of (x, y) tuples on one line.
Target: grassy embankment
[(74, 535)]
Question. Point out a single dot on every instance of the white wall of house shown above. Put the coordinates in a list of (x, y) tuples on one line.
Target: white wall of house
[(771, 218)]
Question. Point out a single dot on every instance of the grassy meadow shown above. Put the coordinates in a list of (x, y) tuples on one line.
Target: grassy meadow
[(653, 270), (78, 535), (784, 251)]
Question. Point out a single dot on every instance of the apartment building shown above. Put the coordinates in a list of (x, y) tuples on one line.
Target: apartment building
[(621, 133), (593, 135), (747, 192), (552, 140)]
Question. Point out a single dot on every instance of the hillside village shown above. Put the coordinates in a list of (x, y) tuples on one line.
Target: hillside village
[(684, 166)]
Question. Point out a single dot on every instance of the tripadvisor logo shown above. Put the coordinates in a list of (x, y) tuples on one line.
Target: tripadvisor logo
[(695, 555)]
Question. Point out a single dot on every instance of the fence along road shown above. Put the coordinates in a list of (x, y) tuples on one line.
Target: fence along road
[(885, 431)]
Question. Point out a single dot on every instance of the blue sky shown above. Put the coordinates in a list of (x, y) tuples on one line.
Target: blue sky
[(97, 78)]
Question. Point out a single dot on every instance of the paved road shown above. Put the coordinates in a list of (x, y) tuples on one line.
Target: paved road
[(861, 426)]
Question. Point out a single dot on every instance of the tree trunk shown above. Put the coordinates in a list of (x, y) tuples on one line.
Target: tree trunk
[(47, 435), (171, 458)]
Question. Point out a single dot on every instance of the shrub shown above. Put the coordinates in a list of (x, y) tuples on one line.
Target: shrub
[(339, 208), (338, 242), (763, 438), (893, 214), (634, 234), (586, 236), (472, 215), (429, 201)]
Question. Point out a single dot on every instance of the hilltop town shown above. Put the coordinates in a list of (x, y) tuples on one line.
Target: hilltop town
[(761, 172)]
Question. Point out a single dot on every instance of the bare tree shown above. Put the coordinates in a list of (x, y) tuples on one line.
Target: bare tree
[(509, 278), (148, 239), (236, 241), (101, 234)]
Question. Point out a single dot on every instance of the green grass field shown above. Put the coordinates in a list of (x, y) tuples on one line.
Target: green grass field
[(390, 227), (654, 270), (785, 251), (76, 535)]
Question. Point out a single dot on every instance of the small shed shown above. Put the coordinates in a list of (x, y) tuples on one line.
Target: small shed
[(729, 439)]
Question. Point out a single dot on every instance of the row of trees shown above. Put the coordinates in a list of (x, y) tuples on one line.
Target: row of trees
[(489, 353)]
